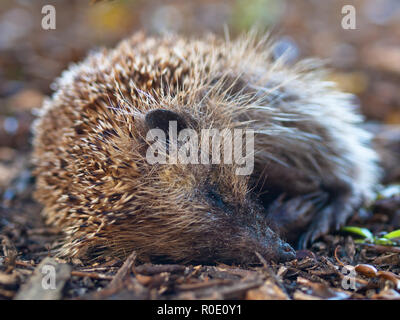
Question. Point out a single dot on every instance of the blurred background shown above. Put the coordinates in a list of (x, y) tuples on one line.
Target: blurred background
[(364, 61)]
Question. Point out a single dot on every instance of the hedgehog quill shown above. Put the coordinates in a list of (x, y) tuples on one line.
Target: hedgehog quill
[(313, 166)]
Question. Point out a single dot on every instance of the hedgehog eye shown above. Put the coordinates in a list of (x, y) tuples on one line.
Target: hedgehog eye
[(216, 199)]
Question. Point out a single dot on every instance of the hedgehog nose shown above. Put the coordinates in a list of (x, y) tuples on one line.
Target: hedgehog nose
[(287, 253)]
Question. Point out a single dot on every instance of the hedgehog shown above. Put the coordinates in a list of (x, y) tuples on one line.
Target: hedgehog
[(313, 164)]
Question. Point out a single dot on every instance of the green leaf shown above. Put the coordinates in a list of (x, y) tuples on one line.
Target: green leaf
[(389, 191), (393, 234), (384, 242), (362, 232)]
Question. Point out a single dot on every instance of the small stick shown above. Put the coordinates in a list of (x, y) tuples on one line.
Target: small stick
[(93, 275), (202, 285), (119, 278), (98, 269), (149, 269), (336, 257), (24, 264), (123, 272)]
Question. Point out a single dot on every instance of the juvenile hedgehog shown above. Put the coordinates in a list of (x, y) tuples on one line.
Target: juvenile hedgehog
[(313, 167)]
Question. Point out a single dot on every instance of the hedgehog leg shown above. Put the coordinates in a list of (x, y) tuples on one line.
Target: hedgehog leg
[(291, 216), (330, 218), (304, 218)]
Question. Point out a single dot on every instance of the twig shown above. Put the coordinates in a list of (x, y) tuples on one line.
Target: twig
[(10, 252), (202, 285), (120, 279), (149, 269), (93, 275), (336, 257), (24, 264), (123, 272)]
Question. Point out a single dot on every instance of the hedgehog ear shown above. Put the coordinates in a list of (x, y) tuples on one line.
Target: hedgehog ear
[(160, 119)]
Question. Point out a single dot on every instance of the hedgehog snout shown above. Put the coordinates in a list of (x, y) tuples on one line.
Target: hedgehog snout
[(285, 252), (276, 249)]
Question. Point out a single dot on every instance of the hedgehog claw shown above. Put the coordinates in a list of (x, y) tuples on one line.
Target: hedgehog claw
[(319, 227), (292, 216), (330, 218)]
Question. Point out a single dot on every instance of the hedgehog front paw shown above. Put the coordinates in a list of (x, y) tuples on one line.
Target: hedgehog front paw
[(292, 216), (330, 218)]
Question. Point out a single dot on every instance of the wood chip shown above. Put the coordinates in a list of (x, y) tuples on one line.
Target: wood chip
[(299, 295), (268, 291), (8, 279), (238, 290)]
